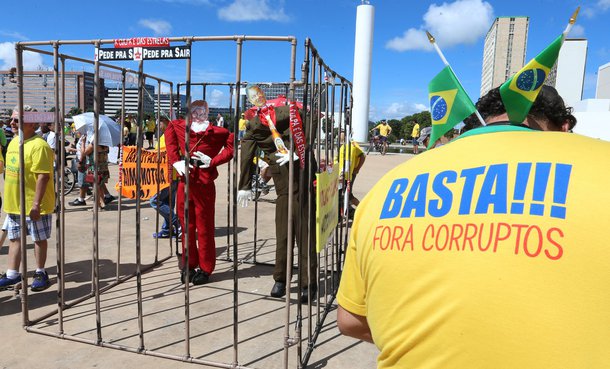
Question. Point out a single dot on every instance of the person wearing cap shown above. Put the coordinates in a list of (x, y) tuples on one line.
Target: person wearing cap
[(493, 247), (242, 127), (209, 147), (39, 201), (424, 136)]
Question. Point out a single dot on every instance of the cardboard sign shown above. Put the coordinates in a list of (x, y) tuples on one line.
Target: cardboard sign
[(327, 206), (150, 173)]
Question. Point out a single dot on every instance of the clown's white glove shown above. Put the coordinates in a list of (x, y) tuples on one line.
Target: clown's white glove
[(180, 167), (243, 196), (282, 159), (203, 161)]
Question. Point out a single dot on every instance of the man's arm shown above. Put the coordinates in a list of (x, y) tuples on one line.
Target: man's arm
[(41, 185), (353, 325), (248, 152), (361, 159), (226, 154), (171, 144)]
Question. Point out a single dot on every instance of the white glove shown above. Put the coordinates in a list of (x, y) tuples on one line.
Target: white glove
[(243, 196), (282, 159), (180, 168), (203, 160)]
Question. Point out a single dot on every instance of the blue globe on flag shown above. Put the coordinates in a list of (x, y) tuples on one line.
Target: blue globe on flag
[(531, 79), (438, 107)]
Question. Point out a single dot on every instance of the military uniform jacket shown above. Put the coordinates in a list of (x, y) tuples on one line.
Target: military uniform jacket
[(258, 135), (210, 142)]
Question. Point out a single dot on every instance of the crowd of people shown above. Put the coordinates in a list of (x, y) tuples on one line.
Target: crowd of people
[(484, 245)]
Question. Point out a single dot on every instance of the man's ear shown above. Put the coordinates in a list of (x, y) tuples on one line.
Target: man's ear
[(565, 127)]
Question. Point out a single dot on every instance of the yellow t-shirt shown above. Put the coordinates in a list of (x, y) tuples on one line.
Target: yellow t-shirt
[(354, 158), (242, 124), (151, 125), (496, 260), (384, 129), (38, 159), (415, 131)]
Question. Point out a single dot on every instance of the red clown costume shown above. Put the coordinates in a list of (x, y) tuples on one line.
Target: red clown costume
[(209, 147)]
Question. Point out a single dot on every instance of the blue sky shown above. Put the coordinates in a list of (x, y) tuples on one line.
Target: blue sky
[(402, 64)]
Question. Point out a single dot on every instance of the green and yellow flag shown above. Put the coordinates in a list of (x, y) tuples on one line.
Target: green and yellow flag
[(520, 91), (449, 103)]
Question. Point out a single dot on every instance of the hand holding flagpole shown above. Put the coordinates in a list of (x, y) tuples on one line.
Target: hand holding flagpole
[(440, 54)]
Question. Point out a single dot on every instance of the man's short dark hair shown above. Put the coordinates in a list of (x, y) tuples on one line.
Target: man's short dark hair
[(548, 104), (551, 106)]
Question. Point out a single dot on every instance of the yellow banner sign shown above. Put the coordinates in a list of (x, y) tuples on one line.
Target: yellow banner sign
[(327, 206), (154, 170)]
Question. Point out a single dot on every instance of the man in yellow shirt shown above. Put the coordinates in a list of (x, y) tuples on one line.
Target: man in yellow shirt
[(39, 206), (493, 258), (350, 169), (151, 125), (384, 131), (415, 138), (242, 127)]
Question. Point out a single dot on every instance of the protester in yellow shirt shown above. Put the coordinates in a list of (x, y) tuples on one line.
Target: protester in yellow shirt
[(479, 256), (350, 169), (384, 131), (151, 125), (165, 200), (415, 138), (242, 127), (39, 202)]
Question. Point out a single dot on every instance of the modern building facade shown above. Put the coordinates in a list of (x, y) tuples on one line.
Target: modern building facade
[(112, 101), (504, 51), (39, 90), (603, 82), (568, 74)]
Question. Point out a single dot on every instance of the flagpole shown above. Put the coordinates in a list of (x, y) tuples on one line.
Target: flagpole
[(440, 54), (570, 23)]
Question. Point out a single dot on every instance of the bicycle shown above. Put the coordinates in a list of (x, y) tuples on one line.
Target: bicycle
[(70, 175), (374, 143)]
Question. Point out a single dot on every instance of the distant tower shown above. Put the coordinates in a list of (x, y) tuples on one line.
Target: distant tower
[(363, 55), (603, 82), (504, 51), (568, 74)]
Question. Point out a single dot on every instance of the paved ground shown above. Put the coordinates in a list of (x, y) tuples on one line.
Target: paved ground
[(261, 319)]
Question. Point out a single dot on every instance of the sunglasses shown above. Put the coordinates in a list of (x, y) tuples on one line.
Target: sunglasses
[(14, 120)]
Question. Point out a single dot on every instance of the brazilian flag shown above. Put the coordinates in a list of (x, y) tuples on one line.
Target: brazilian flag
[(449, 103), (520, 91)]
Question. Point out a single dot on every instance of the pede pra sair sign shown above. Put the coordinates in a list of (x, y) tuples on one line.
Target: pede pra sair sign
[(143, 53)]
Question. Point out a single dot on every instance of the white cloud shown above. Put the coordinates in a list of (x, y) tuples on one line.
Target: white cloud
[(15, 35), (214, 98), (253, 10), (460, 22), (398, 110), (577, 31), (604, 4), (599, 7), (31, 61), (159, 27)]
